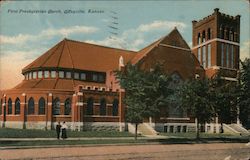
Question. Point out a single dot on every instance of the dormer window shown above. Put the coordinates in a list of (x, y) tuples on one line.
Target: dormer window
[(53, 74), (101, 78), (30, 75), (26, 76), (46, 74), (68, 74), (76, 75), (34, 75), (83, 76), (95, 77), (40, 74), (61, 74)]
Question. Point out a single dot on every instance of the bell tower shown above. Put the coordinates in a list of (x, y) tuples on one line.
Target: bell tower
[(216, 44)]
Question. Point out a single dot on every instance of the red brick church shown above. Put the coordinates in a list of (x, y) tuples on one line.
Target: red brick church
[(74, 81)]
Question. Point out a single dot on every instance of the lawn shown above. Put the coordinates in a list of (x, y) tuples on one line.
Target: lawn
[(28, 133)]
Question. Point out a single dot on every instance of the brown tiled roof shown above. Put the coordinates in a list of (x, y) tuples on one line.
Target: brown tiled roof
[(79, 55), (174, 38)]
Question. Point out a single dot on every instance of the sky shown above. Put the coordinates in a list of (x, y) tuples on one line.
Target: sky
[(29, 28)]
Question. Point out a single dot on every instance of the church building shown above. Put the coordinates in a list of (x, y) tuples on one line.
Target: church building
[(75, 82)]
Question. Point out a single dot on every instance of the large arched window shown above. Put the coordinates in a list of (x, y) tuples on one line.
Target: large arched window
[(17, 106), (103, 107), (31, 106), (67, 107), (9, 106), (90, 103), (56, 106), (115, 107), (41, 106)]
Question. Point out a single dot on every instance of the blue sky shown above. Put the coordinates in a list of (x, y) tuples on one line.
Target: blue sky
[(25, 36)]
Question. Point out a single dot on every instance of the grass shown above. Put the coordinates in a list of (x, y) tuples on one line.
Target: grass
[(69, 142), (28, 133), (172, 138)]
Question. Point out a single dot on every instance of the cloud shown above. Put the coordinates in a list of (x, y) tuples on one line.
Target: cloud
[(160, 25), (48, 33), (67, 31), (11, 65), (245, 50), (134, 39), (21, 38)]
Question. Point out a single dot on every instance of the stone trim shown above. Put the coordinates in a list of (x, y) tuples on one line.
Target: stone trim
[(170, 46), (216, 39)]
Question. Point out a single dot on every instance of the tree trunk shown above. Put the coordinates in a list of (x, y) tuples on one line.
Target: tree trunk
[(198, 130), (136, 126)]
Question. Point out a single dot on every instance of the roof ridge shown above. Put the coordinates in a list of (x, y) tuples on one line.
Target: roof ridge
[(61, 54), (73, 66), (100, 45), (58, 45)]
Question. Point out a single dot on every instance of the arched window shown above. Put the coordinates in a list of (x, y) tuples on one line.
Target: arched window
[(9, 106), (203, 36), (103, 107), (209, 33), (227, 33), (31, 106), (67, 107), (17, 106), (231, 34), (115, 107), (90, 104), (221, 32), (199, 38), (56, 106), (41, 106)]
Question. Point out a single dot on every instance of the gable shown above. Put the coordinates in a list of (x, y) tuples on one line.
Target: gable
[(174, 38)]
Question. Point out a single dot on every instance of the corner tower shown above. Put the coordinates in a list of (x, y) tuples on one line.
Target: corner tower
[(216, 44)]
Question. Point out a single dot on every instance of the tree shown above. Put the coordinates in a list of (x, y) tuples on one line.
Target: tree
[(224, 99), (195, 96), (245, 93), (145, 92)]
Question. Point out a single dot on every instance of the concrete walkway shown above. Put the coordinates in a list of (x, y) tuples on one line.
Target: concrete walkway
[(83, 138)]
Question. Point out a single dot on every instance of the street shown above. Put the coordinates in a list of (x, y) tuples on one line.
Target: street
[(216, 151)]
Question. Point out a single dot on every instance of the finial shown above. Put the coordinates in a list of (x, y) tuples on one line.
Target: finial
[(216, 10)]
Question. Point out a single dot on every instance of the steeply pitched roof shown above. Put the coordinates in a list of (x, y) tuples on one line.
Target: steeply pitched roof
[(79, 55), (174, 38)]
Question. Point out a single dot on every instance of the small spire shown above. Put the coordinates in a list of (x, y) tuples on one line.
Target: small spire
[(121, 62)]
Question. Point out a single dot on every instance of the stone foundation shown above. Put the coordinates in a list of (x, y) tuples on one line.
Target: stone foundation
[(175, 127), (14, 124)]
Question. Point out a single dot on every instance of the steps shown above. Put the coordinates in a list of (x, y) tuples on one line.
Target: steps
[(143, 129), (239, 128), (146, 130)]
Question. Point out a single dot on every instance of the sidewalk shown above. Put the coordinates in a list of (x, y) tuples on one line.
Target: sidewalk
[(82, 138)]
